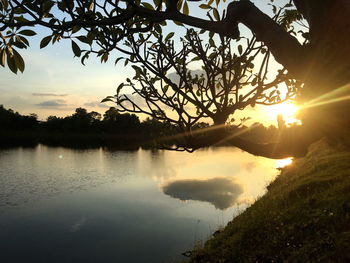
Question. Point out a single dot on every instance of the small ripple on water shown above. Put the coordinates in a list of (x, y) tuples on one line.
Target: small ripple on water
[(24, 179)]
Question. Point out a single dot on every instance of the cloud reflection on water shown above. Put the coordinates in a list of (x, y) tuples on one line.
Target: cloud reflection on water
[(78, 224), (222, 192)]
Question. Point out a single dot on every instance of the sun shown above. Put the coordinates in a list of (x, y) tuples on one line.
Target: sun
[(284, 162), (287, 109)]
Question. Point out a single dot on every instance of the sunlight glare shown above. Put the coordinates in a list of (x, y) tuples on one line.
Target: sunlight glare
[(287, 109), (284, 162)]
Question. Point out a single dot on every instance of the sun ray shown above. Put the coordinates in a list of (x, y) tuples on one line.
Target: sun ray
[(288, 110), (330, 97)]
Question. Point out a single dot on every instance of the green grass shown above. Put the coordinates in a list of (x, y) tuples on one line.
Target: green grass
[(304, 216)]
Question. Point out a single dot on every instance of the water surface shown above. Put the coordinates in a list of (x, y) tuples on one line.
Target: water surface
[(65, 205)]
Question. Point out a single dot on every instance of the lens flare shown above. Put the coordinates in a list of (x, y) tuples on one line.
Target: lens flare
[(333, 96), (287, 109)]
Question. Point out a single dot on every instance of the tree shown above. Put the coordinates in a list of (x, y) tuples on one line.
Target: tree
[(227, 82), (110, 114), (322, 63), (115, 122), (11, 120)]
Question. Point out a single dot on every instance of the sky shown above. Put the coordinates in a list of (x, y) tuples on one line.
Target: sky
[(56, 83)]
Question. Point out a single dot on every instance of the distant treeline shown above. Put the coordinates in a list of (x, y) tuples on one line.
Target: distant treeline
[(91, 129), (83, 129)]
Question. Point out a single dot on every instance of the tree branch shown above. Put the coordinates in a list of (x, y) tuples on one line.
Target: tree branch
[(285, 48), (286, 146)]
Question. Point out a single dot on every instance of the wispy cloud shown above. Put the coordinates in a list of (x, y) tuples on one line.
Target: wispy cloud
[(49, 95), (52, 103), (96, 104)]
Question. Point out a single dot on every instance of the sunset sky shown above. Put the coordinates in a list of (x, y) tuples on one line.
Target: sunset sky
[(55, 83)]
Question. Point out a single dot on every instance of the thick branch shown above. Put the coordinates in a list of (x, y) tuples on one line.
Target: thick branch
[(292, 146), (279, 150), (285, 48), (220, 27)]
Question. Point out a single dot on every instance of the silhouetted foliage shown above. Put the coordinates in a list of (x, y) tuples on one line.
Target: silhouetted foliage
[(84, 129), (320, 64), (13, 120)]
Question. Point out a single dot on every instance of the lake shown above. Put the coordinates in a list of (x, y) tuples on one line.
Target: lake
[(98, 205)]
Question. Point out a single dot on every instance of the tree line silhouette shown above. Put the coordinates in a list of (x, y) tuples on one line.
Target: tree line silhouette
[(112, 129), (82, 128)]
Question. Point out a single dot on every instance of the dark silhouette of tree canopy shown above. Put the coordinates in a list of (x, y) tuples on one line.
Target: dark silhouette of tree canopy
[(322, 62), (13, 120), (228, 80)]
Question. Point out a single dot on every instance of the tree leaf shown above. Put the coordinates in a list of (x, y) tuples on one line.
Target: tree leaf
[(196, 59), (117, 60), (86, 56), (18, 60), (158, 28), (216, 14), (27, 32), (255, 80), (211, 42), (240, 49), (5, 3), (106, 99), (76, 49), (2, 57), (165, 88), (45, 41), (120, 86), (178, 5), (178, 23), (11, 63), (75, 29), (148, 5), (83, 39), (204, 6), (185, 9), (25, 41), (170, 35), (156, 2)]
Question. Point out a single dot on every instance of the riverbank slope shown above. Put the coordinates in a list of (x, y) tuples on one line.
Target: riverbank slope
[(304, 216)]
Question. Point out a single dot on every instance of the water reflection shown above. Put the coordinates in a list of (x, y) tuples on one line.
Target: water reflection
[(222, 192), (89, 205), (78, 224)]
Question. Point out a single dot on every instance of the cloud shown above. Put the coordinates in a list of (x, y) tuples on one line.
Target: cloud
[(49, 95), (96, 104), (249, 166), (174, 77), (78, 224), (222, 192), (52, 103)]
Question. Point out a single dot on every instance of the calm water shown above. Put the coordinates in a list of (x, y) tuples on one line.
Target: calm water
[(64, 205)]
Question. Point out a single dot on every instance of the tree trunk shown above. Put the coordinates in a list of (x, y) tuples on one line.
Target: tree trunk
[(323, 64)]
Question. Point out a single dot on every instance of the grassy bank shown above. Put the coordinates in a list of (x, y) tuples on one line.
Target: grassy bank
[(304, 217)]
